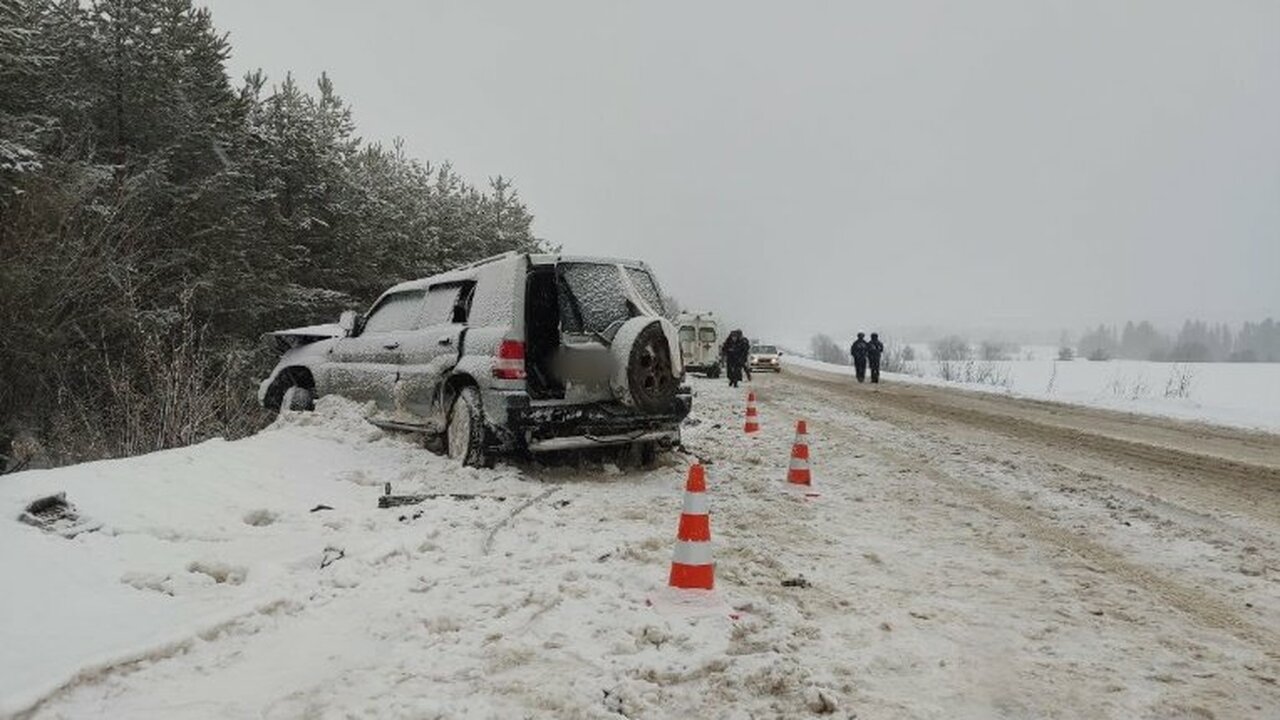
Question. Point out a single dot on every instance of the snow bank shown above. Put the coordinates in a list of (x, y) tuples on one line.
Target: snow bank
[(218, 586), (191, 540), (1243, 395)]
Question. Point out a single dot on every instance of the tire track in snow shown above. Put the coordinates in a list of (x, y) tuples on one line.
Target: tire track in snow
[(1250, 480), (1205, 609)]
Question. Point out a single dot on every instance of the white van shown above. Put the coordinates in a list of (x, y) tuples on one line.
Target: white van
[(700, 342)]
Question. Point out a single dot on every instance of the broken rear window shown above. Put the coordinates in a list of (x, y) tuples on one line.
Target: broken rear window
[(598, 296)]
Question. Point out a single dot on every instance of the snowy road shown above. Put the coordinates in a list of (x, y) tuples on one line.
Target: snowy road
[(970, 557)]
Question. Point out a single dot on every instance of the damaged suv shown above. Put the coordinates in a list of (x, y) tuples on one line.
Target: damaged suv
[(516, 353)]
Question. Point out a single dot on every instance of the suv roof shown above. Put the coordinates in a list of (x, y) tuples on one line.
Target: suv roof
[(471, 271)]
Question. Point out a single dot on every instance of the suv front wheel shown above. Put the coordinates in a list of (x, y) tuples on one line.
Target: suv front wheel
[(465, 433)]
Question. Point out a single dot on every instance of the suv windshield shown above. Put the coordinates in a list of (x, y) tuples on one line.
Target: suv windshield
[(598, 295), (765, 350)]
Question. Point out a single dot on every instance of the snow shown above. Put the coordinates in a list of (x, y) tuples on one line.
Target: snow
[(208, 545), (214, 590), (1245, 395)]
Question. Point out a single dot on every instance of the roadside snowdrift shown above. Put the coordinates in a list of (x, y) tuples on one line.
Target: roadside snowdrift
[(219, 585), (1245, 395), (192, 539)]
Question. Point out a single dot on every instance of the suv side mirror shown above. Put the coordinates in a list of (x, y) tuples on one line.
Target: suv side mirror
[(347, 321)]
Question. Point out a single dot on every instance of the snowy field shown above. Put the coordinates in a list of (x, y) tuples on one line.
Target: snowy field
[(944, 576), (1245, 395)]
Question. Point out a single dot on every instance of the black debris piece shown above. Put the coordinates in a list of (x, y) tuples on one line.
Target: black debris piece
[(318, 508), (799, 581), (331, 555), (390, 501), (54, 514)]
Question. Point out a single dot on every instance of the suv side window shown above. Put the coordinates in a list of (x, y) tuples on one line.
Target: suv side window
[(395, 312), (448, 304)]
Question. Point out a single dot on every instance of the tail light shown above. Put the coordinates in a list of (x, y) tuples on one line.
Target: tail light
[(510, 362)]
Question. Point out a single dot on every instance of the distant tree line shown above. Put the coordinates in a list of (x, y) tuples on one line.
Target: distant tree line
[(1197, 341), (155, 219), (895, 359), (826, 350)]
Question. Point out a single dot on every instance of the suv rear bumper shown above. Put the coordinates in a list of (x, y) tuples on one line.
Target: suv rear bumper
[(543, 428)]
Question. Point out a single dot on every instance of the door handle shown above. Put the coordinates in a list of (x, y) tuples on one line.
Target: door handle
[(445, 341), (391, 345)]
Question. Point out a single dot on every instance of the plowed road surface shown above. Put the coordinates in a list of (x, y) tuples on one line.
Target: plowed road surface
[(1091, 563), (969, 557)]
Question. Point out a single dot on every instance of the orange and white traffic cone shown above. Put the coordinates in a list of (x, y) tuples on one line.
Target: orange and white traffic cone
[(798, 475), (753, 418), (691, 566)]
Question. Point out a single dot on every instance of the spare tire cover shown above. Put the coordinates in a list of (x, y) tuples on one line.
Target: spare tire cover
[(647, 373)]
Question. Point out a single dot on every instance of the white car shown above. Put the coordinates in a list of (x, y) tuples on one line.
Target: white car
[(765, 357)]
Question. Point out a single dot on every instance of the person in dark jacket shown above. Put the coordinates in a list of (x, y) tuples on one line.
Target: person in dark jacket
[(874, 350), (859, 352), (735, 349)]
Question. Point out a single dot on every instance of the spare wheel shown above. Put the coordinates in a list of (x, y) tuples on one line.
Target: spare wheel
[(646, 377)]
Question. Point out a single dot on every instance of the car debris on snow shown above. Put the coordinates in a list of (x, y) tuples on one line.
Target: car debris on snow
[(330, 556), (54, 514), (390, 501)]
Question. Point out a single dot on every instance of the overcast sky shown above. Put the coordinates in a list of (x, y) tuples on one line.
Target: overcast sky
[(809, 167)]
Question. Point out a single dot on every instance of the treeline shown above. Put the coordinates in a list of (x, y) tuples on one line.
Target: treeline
[(1197, 341), (155, 219)]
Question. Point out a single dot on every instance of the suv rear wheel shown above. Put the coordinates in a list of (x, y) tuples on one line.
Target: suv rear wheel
[(465, 432)]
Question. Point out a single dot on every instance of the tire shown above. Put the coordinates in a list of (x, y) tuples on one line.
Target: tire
[(652, 386), (647, 455), (714, 372), (298, 399), (465, 434), (639, 455)]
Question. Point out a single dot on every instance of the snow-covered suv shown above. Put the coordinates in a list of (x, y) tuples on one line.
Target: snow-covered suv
[(520, 352)]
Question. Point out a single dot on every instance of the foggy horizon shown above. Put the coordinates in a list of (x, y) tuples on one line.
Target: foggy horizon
[(1027, 169)]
